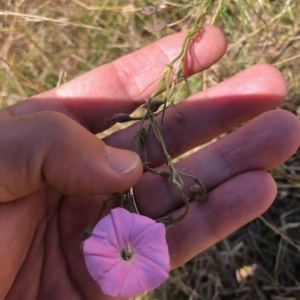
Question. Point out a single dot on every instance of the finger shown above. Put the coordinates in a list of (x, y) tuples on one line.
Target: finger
[(263, 143), (124, 84), (49, 148), (211, 113), (226, 208)]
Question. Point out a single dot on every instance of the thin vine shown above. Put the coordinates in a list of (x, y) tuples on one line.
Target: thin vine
[(168, 84)]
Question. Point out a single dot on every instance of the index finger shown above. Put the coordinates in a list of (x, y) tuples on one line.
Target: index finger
[(124, 84)]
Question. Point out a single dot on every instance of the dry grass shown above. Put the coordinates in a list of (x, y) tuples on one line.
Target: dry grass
[(46, 43)]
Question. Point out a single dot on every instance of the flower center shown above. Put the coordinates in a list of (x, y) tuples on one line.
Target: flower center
[(127, 253)]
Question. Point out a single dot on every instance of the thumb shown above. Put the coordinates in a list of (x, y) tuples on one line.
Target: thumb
[(50, 148)]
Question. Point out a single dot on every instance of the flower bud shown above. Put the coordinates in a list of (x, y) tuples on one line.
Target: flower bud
[(149, 10), (198, 192), (159, 27), (154, 104), (121, 118), (164, 174)]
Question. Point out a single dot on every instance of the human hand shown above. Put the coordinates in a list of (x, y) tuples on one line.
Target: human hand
[(55, 172)]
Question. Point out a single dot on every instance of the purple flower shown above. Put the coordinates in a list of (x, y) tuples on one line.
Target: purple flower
[(127, 254)]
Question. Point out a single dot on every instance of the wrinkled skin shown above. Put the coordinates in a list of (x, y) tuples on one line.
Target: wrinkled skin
[(54, 173)]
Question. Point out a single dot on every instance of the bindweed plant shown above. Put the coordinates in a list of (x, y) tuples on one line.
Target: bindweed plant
[(155, 109), (118, 250)]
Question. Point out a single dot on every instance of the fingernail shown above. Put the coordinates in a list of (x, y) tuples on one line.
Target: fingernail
[(122, 161)]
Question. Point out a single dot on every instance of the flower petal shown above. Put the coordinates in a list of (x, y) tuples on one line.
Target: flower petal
[(149, 265)]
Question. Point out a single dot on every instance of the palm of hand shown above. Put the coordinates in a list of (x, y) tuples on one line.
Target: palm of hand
[(48, 227)]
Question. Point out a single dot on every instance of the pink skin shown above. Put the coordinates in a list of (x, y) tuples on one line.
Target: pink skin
[(55, 172), (143, 239)]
